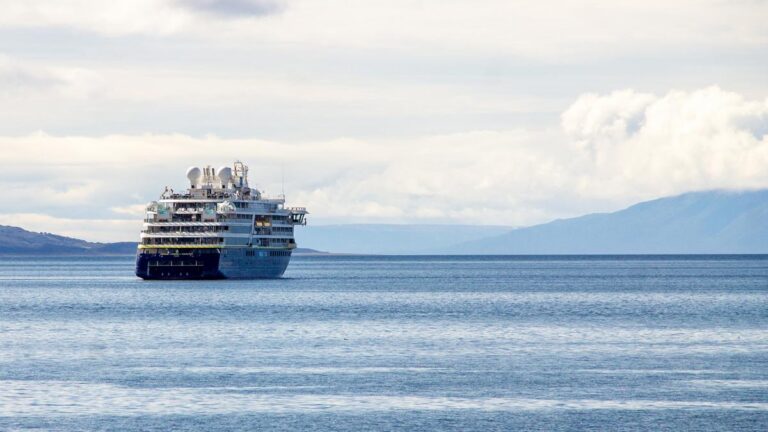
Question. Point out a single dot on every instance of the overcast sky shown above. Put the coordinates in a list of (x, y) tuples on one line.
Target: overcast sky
[(479, 112)]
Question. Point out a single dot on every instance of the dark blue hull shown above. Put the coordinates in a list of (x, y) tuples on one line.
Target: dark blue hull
[(232, 263), (194, 264)]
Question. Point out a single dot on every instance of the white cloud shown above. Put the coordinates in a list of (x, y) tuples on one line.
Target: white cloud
[(310, 69), (648, 145), (103, 97), (613, 150), (131, 210), (99, 230), (535, 28), (152, 85), (109, 18), (21, 80)]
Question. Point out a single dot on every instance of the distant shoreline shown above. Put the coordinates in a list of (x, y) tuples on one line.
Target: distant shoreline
[(522, 257), (697, 223)]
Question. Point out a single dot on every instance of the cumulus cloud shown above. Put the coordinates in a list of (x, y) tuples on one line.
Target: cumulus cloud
[(707, 138), (612, 150)]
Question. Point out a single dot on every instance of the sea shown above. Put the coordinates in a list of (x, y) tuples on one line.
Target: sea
[(379, 343)]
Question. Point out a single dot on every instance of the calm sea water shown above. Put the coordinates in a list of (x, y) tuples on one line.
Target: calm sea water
[(389, 343)]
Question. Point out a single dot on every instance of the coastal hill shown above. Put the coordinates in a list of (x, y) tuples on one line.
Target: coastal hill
[(709, 222), (18, 241)]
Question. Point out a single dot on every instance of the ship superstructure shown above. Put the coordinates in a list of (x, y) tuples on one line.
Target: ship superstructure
[(218, 228)]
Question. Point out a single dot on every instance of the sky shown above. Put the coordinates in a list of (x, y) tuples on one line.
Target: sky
[(452, 112)]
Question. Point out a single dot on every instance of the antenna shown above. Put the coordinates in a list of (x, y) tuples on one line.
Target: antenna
[(282, 179)]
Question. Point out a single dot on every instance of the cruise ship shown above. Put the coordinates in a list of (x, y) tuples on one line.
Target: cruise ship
[(219, 228)]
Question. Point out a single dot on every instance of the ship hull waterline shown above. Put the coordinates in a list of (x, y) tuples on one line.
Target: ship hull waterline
[(207, 264)]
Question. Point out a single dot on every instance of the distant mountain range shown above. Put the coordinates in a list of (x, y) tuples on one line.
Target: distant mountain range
[(694, 223), (391, 239), (698, 222)]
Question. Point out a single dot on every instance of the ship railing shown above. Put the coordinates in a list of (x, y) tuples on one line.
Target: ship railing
[(236, 222), (162, 242), (183, 234)]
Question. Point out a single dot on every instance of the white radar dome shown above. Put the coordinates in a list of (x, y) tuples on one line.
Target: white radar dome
[(194, 174), (225, 174)]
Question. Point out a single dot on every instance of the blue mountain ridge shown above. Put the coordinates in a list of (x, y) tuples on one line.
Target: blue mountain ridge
[(391, 239), (692, 223)]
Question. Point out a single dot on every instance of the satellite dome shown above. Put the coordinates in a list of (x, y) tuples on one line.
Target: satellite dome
[(225, 174), (194, 174)]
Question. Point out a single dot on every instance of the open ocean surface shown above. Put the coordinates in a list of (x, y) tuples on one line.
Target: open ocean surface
[(389, 343)]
